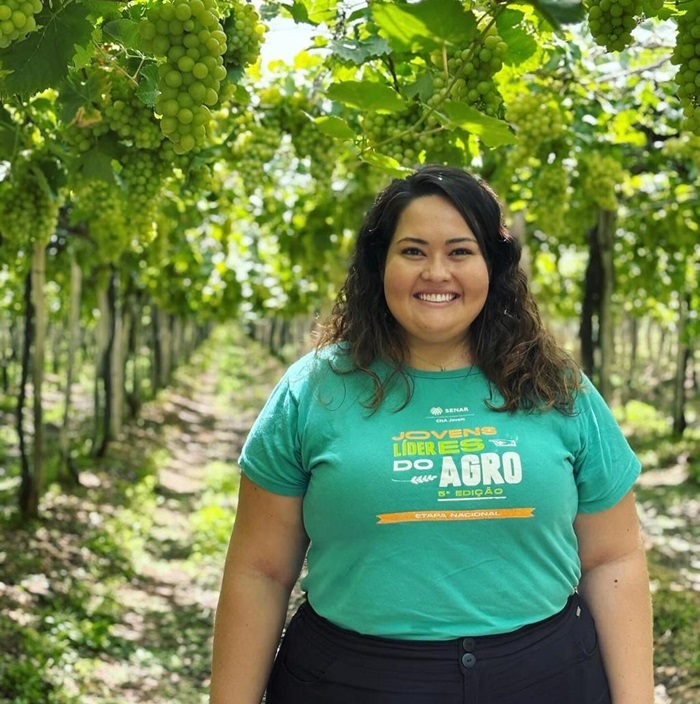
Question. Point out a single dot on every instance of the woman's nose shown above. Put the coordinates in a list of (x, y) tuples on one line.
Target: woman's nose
[(435, 269)]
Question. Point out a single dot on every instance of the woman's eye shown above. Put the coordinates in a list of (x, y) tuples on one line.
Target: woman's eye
[(412, 251), (461, 252)]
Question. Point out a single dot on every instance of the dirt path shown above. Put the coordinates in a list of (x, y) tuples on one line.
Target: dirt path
[(168, 604)]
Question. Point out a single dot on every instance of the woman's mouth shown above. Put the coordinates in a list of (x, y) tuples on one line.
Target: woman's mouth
[(436, 297)]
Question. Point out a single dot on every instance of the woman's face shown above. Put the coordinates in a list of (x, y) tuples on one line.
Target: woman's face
[(435, 278)]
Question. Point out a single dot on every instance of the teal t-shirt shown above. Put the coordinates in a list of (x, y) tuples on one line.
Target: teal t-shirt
[(440, 518)]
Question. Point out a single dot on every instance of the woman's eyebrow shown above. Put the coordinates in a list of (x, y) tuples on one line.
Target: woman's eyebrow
[(452, 240)]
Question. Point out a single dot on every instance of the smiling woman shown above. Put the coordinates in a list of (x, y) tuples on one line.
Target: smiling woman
[(390, 306), (460, 490), (435, 282)]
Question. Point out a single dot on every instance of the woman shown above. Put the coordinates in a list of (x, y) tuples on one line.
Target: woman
[(464, 493)]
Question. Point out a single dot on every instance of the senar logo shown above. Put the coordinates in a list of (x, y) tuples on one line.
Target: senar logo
[(436, 411)]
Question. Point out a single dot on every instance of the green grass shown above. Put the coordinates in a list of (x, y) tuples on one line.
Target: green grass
[(670, 505)]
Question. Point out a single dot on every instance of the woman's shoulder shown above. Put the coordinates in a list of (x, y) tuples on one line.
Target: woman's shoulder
[(587, 394), (315, 363)]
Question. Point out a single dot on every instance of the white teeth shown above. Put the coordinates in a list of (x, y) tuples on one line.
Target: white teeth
[(437, 297)]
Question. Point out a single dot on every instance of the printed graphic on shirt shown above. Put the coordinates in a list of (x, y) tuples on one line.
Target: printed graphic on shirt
[(462, 463)]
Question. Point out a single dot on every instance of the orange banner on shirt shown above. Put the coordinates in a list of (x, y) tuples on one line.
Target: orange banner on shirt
[(472, 515)]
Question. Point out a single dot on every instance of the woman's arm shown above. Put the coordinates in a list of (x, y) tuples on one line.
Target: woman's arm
[(264, 559), (615, 584)]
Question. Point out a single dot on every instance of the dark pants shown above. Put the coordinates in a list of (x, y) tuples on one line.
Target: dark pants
[(555, 661)]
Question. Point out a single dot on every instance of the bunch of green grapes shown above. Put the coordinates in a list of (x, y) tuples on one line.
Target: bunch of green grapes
[(391, 135), (540, 125), (128, 116), (244, 35), (255, 147), (17, 19), (397, 136), (551, 196), (85, 130), (467, 74), (142, 177), (315, 149), (611, 22), (686, 55), (291, 114), (683, 148), (198, 179), (109, 224), (600, 177), (188, 35), (28, 206), (651, 8)]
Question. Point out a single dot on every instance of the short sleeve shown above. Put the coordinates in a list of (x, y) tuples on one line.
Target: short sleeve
[(271, 454), (605, 467)]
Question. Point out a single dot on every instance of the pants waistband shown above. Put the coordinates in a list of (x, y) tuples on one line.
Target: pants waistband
[(488, 646)]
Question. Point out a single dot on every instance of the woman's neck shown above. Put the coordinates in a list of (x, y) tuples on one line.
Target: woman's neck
[(439, 359)]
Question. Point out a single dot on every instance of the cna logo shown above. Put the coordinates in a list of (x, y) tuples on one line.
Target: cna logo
[(436, 411)]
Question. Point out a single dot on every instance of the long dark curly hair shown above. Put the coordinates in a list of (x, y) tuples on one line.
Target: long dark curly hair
[(507, 340)]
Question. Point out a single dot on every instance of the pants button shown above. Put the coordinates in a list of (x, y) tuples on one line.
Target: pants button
[(468, 643), (468, 659)]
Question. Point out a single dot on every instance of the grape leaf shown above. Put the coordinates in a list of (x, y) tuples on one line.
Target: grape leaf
[(366, 95), (425, 25), (298, 12), (560, 12), (490, 130), (321, 10), (240, 95), (85, 54), (106, 9), (76, 94), (96, 165), (334, 127), (358, 52), (422, 87), (8, 135), (126, 32), (5, 118), (42, 59), (312, 11), (54, 174), (386, 163), (521, 45), (147, 90)]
